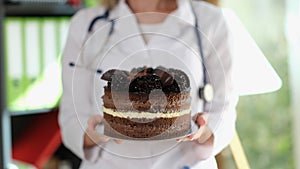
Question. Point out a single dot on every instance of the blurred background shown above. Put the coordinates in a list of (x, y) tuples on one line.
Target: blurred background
[(33, 34)]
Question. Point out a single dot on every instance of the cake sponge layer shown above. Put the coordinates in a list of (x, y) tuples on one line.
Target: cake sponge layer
[(160, 128)]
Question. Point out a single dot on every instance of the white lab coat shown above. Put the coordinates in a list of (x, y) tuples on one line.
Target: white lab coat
[(174, 45)]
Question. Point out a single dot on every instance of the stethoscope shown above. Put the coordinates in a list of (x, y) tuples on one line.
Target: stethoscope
[(205, 92)]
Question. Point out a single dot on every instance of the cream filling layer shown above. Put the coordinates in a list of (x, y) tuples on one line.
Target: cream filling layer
[(131, 114)]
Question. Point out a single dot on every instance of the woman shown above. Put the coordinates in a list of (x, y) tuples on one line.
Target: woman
[(166, 18)]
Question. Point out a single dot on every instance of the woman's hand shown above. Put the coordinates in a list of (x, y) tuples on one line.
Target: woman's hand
[(91, 136), (203, 134)]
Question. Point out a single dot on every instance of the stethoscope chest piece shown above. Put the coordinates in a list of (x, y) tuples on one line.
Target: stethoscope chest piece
[(206, 93)]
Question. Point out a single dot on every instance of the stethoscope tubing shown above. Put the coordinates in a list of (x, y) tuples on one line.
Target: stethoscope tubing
[(105, 17)]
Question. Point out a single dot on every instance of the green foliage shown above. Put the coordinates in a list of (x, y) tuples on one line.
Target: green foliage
[(91, 3)]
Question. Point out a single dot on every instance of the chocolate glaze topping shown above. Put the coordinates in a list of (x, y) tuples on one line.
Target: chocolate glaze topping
[(143, 80)]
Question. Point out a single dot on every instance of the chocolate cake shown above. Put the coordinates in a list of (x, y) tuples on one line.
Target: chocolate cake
[(149, 103)]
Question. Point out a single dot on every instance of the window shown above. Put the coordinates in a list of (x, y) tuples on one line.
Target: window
[(265, 121)]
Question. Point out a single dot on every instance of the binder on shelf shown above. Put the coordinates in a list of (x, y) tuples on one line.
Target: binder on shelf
[(49, 37), (14, 59), (32, 49), (63, 31), (32, 58)]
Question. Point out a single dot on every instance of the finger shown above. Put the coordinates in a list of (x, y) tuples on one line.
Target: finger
[(118, 141), (198, 134), (205, 135), (104, 139), (98, 119), (201, 121), (194, 118), (96, 137), (183, 139), (202, 135), (93, 121), (205, 116), (91, 126)]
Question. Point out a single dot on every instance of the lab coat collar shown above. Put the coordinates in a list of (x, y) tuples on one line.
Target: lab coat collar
[(131, 34), (184, 11)]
